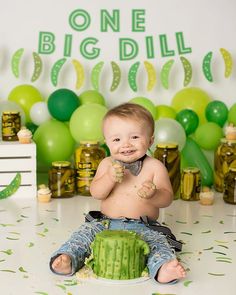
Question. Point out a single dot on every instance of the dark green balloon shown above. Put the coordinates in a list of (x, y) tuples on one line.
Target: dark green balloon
[(188, 119), (217, 112), (62, 103)]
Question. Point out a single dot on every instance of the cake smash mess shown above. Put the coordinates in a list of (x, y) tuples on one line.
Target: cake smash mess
[(131, 187)]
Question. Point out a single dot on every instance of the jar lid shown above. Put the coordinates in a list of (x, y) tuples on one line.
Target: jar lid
[(61, 164), (10, 113), (191, 170), (169, 145), (89, 142)]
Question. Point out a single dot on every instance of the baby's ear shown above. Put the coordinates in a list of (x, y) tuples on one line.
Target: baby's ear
[(151, 140)]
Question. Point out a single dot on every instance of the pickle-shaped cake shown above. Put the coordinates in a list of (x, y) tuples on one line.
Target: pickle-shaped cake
[(118, 255)]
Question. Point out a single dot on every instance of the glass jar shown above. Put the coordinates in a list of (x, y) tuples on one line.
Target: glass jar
[(229, 194), (224, 158), (11, 124), (190, 184), (169, 155), (87, 158), (62, 179)]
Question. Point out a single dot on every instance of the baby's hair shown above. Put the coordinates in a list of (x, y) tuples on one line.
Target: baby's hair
[(132, 111)]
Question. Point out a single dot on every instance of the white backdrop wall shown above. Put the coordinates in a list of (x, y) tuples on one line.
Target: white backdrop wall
[(206, 26)]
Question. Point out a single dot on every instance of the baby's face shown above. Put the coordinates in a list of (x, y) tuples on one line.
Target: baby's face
[(127, 139)]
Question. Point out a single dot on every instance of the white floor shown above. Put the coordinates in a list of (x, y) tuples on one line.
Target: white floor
[(31, 231)]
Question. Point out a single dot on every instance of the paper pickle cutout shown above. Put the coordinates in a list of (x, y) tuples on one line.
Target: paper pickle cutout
[(206, 66), (38, 66), (80, 76), (228, 62), (15, 62), (12, 187), (132, 75), (56, 69), (116, 72), (95, 75), (165, 72), (152, 79), (187, 70)]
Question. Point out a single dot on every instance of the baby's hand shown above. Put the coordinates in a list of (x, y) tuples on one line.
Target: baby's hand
[(147, 190), (117, 172)]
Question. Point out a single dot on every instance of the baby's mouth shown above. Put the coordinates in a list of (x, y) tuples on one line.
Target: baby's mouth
[(127, 153)]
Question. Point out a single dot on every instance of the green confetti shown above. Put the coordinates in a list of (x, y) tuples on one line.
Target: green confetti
[(185, 253), (217, 252), (41, 235), (45, 230), (19, 220), (206, 232), (216, 274), (30, 244), (39, 224), (196, 222), (206, 249), (223, 246), (186, 233), (182, 222), (8, 252), (24, 216), (21, 269), (186, 283), (6, 224), (7, 270), (229, 232), (222, 260), (62, 287), (2, 260), (56, 219), (221, 222), (41, 293), (12, 239), (221, 242)]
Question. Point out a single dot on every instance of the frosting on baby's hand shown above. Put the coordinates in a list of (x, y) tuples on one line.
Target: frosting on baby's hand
[(118, 171), (147, 190)]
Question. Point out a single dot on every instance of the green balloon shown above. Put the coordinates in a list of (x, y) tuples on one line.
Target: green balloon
[(192, 98), (86, 122), (165, 111), (188, 119), (217, 112), (208, 135), (194, 156), (54, 142), (25, 96), (146, 103), (32, 127), (62, 103), (232, 114), (91, 96)]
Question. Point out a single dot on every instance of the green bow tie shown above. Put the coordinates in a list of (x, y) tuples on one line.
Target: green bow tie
[(134, 167)]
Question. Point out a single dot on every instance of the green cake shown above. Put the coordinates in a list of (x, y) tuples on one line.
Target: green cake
[(118, 255)]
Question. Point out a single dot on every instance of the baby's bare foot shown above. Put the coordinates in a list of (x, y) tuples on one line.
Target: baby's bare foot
[(171, 270), (62, 264)]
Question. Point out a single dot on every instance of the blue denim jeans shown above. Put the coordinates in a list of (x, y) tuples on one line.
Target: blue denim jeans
[(78, 246)]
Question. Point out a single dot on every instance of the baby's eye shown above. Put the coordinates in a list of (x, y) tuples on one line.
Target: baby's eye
[(135, 137), (116, 139)]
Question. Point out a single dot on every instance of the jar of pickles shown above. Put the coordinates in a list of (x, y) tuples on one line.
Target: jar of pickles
[(169, 155), (224, 159), (62, 179), (11, 124), (190, 184), (229, 194), (87, 158)]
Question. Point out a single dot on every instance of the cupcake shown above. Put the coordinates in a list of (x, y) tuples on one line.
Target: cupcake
[(44, 194), (230, 132), (206, 196), (24, 135)]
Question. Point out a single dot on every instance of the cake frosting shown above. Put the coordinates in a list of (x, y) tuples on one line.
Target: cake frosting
[(230, 132), (24, 135), (44, 193), (206, 196), (118, 255)]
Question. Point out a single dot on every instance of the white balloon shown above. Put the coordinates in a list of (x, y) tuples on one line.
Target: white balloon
[(39, 113), (169, 130)]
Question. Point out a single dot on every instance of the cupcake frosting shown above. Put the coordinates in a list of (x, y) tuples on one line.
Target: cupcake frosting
[(24, 132), (44, 191)]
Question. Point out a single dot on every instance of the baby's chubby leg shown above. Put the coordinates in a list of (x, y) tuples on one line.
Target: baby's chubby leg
[(62, 264)]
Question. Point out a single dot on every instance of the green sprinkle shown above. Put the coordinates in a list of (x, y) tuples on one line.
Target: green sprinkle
[(45, 230), (216, 274), (186, 283), (30, 244), (206, 215), (221, 222), (182, 222), (21, 269), (2, 260), (41, 235), (222, 260), (223, 246), (196, 222), (221, 253), (39, 224), (12, 239), (206, 232), (56, 219), (221, 242), (206, 249), (7, 270), (229, 232), (62, 287), (24, 216), (8, 252), (6, 224), (185, 253), (186, 233), (41, 293)]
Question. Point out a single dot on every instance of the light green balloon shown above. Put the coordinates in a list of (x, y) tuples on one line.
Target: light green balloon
[(86, 122), (192, 98), (232, 114), (25, 96), (165, 111), (146, 103), (91, 96), (208, 135), (54, 142)]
